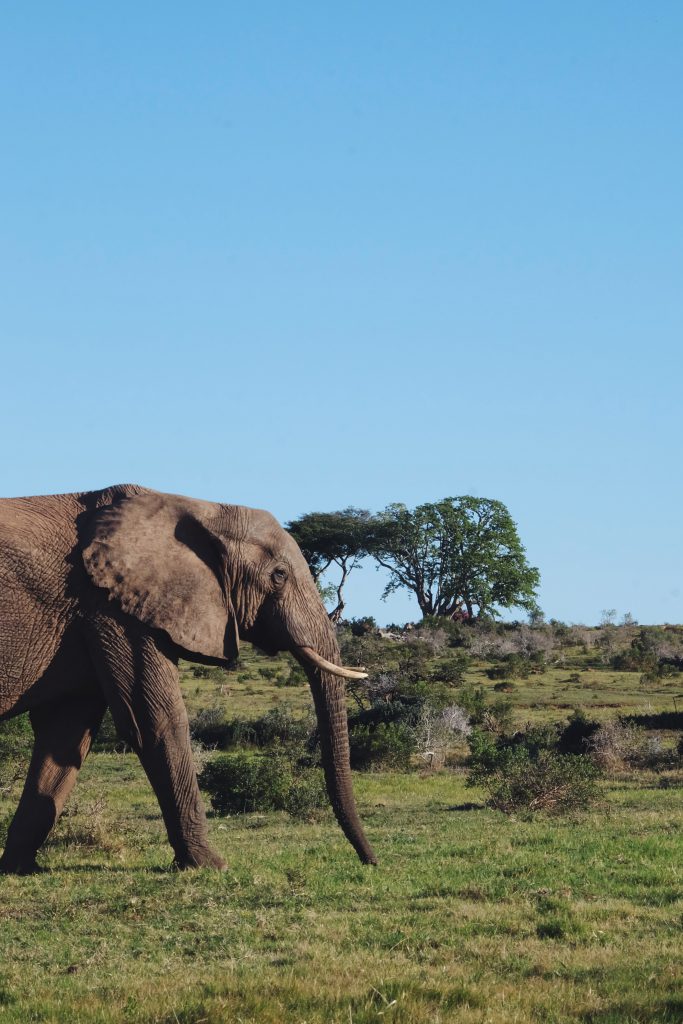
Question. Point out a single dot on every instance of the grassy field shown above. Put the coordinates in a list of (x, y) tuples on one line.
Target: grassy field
[(471, 916)]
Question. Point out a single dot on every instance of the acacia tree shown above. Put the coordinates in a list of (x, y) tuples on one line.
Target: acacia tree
[(456, 555), (340, 538)]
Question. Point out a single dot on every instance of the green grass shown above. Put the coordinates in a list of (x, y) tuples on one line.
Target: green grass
[(471, 916), (548, 696)]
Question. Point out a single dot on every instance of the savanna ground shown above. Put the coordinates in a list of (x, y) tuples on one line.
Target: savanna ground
[(471, 916)]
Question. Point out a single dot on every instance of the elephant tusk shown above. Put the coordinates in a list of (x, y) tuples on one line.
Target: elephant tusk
[(327, 666)]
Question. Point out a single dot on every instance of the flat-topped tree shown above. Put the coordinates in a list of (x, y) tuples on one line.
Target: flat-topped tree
[(340, 538)]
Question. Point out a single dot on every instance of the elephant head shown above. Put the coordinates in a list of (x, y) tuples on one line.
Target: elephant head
[(209, 574)]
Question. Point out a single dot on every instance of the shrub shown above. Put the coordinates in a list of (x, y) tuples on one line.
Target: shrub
[(277, 726), (551, 782), (213, 672), (517, 666), (473, 700), (268, 671), (295, 677), (280, 726), (16, 742), (438, 731), (451, 670), (108, 739), (363, 626), (576, 735), (241, 783), (619, 744), (86, 825), (210, 727), (386, 745)]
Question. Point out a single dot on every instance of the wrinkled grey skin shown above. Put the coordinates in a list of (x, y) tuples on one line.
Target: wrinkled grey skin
[(100, 594)]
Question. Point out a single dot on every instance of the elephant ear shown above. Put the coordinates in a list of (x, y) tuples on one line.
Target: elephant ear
[(158, 557)]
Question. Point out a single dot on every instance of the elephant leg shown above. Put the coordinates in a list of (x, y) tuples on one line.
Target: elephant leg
[(63, 733), (143, 692)]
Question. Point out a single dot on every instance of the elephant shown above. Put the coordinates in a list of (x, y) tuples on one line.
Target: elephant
[(101, 593)]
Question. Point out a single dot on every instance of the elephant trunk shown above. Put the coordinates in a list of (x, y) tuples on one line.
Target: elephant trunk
[(329, 695)]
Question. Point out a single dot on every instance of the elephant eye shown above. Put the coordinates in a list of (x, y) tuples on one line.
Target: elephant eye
[(278, 577)]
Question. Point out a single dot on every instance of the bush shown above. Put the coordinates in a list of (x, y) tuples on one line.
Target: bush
[(451, 670), (277, 726), (363, 626), (473, 700), (16, 743), (280, 726), (295, 677), (386, 745), (438, 731), (241, 783), (576, 735), (107, 739), (551, 782), (617, 745), (517, 666), (212, 672)]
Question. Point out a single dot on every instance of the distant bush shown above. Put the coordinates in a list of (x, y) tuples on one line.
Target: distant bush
[(437, 732), (363, 626), (385, 745), (280, 726), (242, 783), (618, 744), (475, 702), (517, 666), (277, 726), (212, 672), (295, 677), (576, 735), (515, 779), (16, 743), (451, 670), (108, 739), (268, 671)]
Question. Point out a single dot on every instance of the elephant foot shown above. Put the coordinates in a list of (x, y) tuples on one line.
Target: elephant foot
[(20, 866), (199, 859)]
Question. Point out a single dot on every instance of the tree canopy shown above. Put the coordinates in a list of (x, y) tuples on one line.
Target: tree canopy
[(459, 555), (341, 538)]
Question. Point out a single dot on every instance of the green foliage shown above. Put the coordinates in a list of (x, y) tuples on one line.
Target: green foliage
[(475, 702), (280, 726), (362, 626), (517, 666), (386, 745), (340, 538), (451, 670), (213, 672), (455, 554), (495, 715), (276, 726), (517, 779), (326, 537), (527, 771), (16, 738), (457, 632), (16, 743), (576, 735), (242, 783)]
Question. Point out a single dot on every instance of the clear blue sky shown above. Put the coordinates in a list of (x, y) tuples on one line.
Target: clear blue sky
[(302, 256)]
